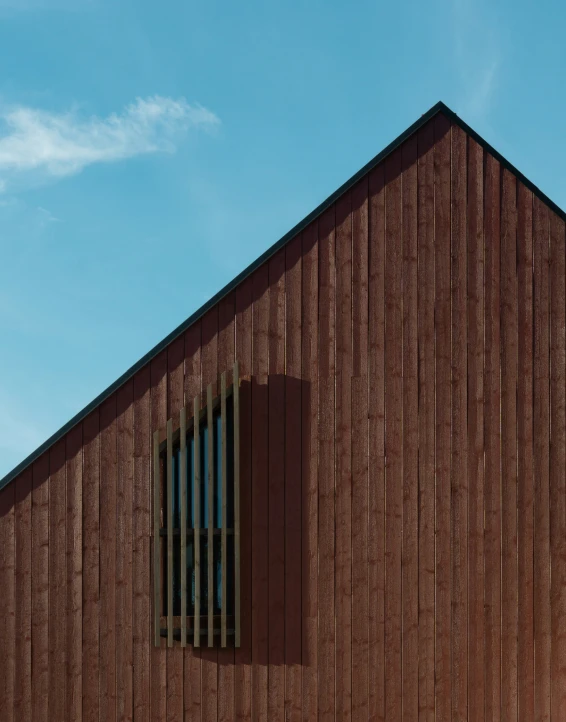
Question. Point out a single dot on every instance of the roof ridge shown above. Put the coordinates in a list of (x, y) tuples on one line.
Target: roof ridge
[(439, 107)]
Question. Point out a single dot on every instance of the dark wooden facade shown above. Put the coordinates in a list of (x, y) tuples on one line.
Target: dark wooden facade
[(403, 476)]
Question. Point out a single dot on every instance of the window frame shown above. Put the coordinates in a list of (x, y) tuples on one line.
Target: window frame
[(176, 434)]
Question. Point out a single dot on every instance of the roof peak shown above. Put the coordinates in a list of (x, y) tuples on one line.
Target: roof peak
[(439, 107)]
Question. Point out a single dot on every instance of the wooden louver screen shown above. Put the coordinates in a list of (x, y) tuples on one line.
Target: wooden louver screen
[(196, 521)]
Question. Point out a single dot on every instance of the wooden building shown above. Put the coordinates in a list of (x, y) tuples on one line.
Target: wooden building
[(384, 491)]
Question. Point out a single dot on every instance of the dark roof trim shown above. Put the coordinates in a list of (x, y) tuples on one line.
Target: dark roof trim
[(438, 108)]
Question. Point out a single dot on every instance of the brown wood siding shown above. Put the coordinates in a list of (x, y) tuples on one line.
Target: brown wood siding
[(402, 478)]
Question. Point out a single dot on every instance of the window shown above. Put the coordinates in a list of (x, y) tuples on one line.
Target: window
[(196, 544)]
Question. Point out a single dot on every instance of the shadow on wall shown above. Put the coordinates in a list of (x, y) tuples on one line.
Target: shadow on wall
[(276, 548)]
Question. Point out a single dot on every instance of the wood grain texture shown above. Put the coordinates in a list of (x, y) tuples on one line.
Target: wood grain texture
[(124, 524), (492, 401), (426, 411), (158, 419), (476, 474), (343, 466), (525, 469), (293, 481), (226, 358), (243, 655), (376, 444), (541, 408), (443, 687), (410, 549), (141, 530), (509, 364), (276, 488), (91, 566), (175, 400), (459, 438), (40, 590), (74, 581), (23, 597), (557, 466), (209, 655), (192, 389), (309, 469), (326, 467), (107, 618), (8, 586), (57, 583), (359, 416), (394, 416)]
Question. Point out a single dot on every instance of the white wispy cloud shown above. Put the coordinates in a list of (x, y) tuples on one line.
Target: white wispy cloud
[(39, 142)]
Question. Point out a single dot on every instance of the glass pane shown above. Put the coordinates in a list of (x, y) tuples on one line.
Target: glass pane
[(218, 471)]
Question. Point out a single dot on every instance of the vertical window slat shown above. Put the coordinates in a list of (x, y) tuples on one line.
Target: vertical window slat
[(210, 494), (196, 511), (156, 541), (223, 522), (183, 483), (170, 533), (236, 425)]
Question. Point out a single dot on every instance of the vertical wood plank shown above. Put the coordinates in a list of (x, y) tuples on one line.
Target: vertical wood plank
[(8, 586), (276, 488), (192, 383), (541, 403), (557, 467), (183, 483), (376, 444), (107, 619), (124, 509), (359, 415), (157, 598), (410, 550), (459, 439), (293, 462), (226, 353), (40, 590), (143, 629), (91, 566), (197, 509), (58, 582), (169, 532), (476, 681), (209, 655), (309, 444), (443, 416), (394, 440), (526, 572), (175, 657), (74, 556), (243, 654), (260, 503), (23, 595), (509, 357), (326, 469), (492, 441), (426, 344), (237, 596), (223, 471), (343, 563), (158, 420), (210, 521)]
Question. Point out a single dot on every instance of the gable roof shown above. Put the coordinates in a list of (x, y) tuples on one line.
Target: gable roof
[(440, 107)]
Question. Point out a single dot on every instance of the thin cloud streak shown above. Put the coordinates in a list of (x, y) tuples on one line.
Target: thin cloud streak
[(55, 145), (477, 51)]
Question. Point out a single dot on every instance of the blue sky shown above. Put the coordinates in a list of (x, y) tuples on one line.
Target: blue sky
[(150, 151)]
